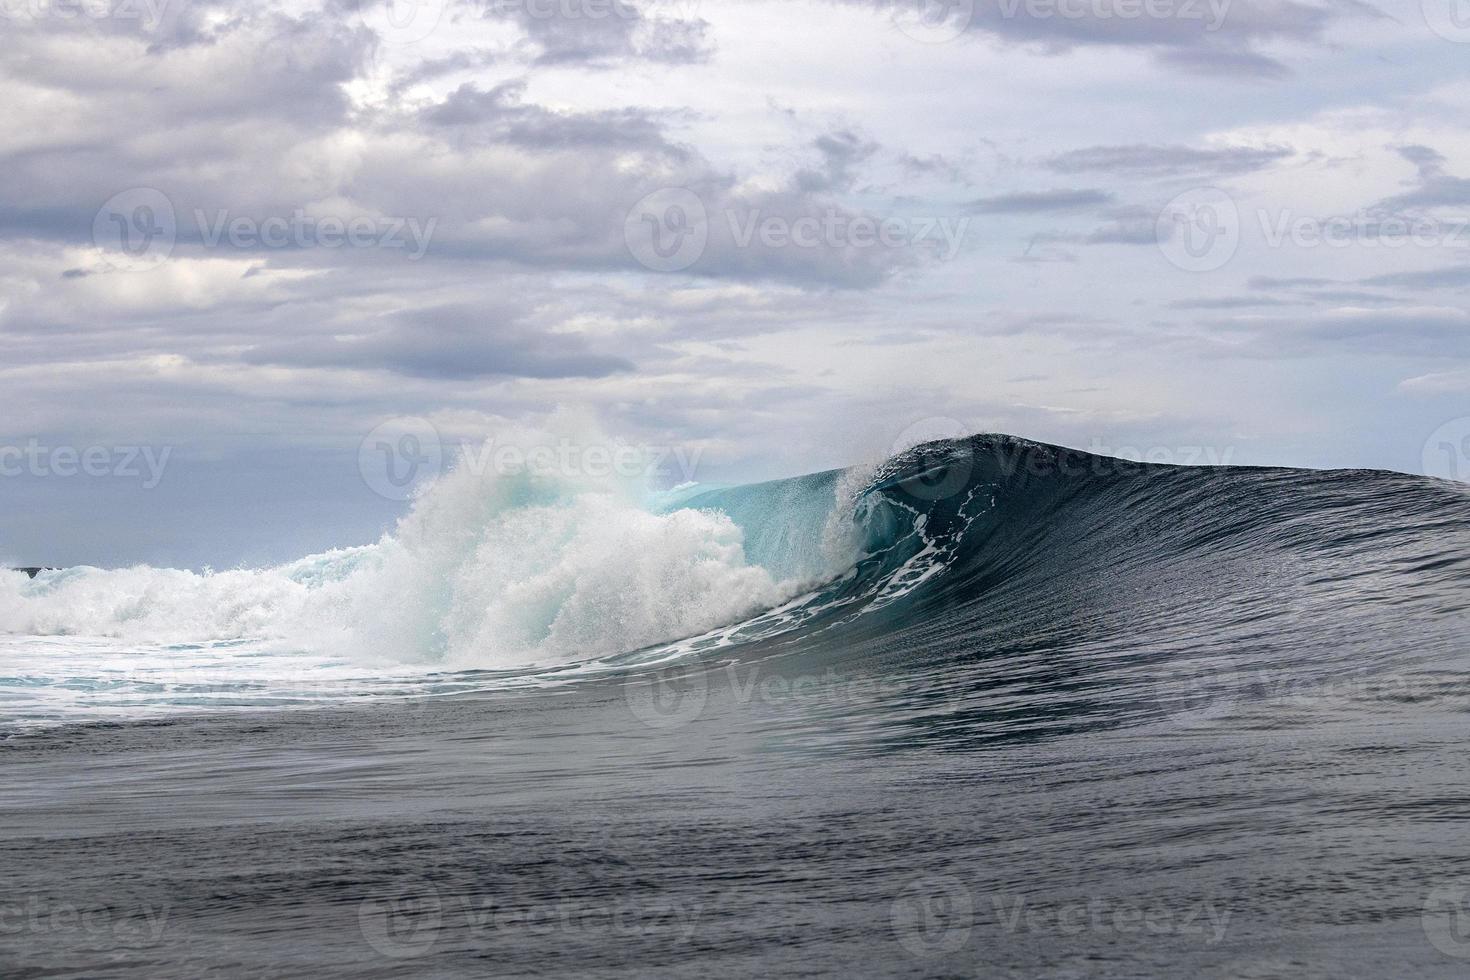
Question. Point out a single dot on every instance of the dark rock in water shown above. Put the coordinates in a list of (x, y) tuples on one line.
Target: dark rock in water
[(33, 572)]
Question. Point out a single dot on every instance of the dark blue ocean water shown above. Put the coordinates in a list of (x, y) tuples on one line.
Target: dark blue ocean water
[(1070, 717)]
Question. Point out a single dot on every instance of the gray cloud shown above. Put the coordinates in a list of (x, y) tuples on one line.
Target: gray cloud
[(842, 153), (1301, 282), (1226, 63), (1215, 40), (1230, 303), (1436, 189), (1151, 161), (1391, 332), (1132, 225), (1450, 277), (452, 343), (603, 34), (1041, 202), (499, 116)]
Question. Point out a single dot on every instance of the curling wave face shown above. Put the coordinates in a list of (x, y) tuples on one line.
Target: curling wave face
[(974, 565)]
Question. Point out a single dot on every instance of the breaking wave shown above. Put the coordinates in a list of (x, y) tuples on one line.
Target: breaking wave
[(955, 547)]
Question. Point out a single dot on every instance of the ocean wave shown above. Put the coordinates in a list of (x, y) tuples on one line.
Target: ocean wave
[(946, 553)]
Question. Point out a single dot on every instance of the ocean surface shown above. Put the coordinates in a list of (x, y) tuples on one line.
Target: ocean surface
[(990, 708)]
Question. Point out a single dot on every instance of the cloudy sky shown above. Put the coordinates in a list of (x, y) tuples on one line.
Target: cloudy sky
[(243, 246)]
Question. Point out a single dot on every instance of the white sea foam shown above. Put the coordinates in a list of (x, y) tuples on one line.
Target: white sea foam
[(507, 572), (488, 570)]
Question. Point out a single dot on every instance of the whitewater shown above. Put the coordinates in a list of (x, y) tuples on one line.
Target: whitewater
[(521, 574)]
